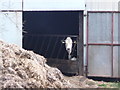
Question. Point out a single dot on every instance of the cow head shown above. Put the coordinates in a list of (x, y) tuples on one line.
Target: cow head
[(68, 46)]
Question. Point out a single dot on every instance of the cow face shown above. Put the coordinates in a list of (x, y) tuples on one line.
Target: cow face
[(68, 45)]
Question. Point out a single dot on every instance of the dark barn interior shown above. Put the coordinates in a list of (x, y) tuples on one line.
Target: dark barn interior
[(45, 32)]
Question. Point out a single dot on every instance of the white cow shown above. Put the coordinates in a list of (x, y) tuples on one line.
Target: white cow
[(68, 46)]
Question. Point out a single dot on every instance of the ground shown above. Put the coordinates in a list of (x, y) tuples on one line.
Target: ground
[(83, 82)]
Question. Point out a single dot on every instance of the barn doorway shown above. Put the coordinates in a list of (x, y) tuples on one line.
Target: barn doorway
[(45, 32)]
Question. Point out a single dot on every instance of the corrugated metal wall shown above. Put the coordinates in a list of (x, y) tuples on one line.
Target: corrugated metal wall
[(98, 25), (11, 21), (102, 5), (99, 5), (103, 43)]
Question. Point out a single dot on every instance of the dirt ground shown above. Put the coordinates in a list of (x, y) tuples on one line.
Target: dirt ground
[(83, 82)]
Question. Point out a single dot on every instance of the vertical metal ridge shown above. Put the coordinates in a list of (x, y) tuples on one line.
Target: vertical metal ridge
[(87, 47), (22, 5), (112, 32)]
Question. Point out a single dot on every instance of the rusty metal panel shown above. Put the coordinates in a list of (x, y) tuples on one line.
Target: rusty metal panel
[(11, 27), (53, 5), (99, 62), (116, 23), (10, 4), (99, 28), (115, 60)]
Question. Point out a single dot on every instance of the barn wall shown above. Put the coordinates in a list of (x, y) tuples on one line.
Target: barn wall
[(101, 5), (11, 5), (11, 14), (103, 43), (43, 5), (11, 21), (11, 27)]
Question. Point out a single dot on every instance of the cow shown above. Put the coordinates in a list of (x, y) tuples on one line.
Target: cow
[(68, 45)]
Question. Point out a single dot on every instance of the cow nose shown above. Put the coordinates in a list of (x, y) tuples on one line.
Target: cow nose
[(68, 49)]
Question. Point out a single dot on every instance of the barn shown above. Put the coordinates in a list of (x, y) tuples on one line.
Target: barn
[(42, 26)]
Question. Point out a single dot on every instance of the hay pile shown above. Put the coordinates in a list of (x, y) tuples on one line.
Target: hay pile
[(20, 68)]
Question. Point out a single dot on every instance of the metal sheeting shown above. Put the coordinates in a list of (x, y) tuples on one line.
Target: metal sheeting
[(115, 60), (53, 5), (99, 61), (10, 4), (119, 61), (116, 28), (11, 27), (85, 28), (11, 21), (100, 26), (85, 63), (102, 5), (103, 44)]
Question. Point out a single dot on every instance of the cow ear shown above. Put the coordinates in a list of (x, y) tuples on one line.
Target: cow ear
[(74, 42), (62, 41)]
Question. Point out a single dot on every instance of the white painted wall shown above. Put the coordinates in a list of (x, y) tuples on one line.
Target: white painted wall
[(102, 5), (10, 4), (11, 27), (53, 5), (11, 22)]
